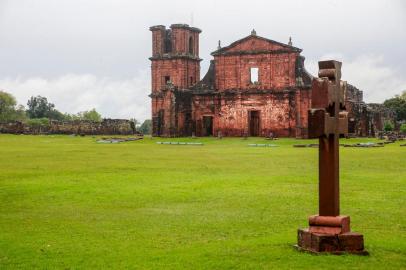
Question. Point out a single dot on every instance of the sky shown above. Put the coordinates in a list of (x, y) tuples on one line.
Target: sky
[(84, 54)]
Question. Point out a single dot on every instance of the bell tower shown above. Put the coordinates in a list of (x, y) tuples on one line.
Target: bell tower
[(175, 66)]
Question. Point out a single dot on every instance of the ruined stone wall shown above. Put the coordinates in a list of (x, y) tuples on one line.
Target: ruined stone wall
[(175, 56), (14, 127), (158, 39), (183, 36), (353, 94), (172, 113), (303, 104), (365, 119), (204, 105), (183, 73), (378, 114), (358, 118), (183, 113), (279, 112), (275, 71), (161, 104), (106, 127)]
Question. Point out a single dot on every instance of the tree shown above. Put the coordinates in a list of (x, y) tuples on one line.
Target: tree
[(39, 107), (19, 114), (55, 115), (146, 127), (7, 106), (398, 105), (136, 122), (403, 95), (91, 115), (8, 109)]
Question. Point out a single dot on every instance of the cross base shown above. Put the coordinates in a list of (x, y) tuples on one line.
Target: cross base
[(329, 234)]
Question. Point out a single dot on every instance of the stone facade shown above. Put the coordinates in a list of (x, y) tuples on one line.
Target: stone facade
[(227, 100), (254, 87), (106, 127), (365, 119), (377, 116)]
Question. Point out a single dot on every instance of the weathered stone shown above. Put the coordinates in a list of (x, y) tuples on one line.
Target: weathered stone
[(80, 127), (351, 241), (331, 243), (329, 231), (226, 100)]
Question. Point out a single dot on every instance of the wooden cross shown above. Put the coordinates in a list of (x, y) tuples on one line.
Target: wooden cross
[(328, 121)]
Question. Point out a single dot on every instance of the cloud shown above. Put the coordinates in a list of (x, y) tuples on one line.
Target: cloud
[(369, 73), (113, 98)]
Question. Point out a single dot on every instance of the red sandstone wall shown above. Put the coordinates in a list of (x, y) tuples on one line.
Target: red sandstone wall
[(276, 71), (183, 73), (164, 103), (157, 41), (278, 113), (257, 44), (303, 104), (183, 68), (180, 41), (284, 113)]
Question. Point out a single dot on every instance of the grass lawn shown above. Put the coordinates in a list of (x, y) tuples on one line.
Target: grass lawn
[(71, 203)]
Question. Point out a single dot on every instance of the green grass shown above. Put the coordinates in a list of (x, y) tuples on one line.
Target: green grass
[(71, 203)]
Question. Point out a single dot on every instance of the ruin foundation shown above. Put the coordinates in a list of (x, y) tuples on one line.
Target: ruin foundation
[(328, 234)]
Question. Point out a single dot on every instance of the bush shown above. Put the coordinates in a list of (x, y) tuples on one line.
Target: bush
[(388, 126), (38, 122), (403, 128)]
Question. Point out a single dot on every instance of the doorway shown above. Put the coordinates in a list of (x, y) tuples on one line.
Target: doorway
[(207, 125), (160, 123), (253, 122)]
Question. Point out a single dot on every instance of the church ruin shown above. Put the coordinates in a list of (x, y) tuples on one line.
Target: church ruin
[(254, 87)]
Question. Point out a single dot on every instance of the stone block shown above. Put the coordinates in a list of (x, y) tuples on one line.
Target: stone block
[(331, 243), (351, 241)]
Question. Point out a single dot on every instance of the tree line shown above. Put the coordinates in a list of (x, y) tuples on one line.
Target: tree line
[(40, 111)]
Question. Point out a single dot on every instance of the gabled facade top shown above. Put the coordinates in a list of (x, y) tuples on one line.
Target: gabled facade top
[(253, 44)]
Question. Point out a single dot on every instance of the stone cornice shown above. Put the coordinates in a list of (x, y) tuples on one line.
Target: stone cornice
[(248, 52), (175, 56)]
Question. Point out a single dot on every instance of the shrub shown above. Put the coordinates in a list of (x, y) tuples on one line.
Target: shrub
[(388, 126), (403, 128), (38, 122)]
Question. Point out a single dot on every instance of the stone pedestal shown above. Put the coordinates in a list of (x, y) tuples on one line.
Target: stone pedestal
[(331, 235)]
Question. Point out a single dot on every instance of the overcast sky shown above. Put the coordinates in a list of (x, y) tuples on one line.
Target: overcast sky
[(85, 54)]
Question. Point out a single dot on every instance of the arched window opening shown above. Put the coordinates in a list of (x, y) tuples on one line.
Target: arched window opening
[(191, 45), (168, 42), (254, 75)]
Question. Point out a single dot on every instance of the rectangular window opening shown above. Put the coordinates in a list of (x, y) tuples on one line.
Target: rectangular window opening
[(167, 79), (254, 74)]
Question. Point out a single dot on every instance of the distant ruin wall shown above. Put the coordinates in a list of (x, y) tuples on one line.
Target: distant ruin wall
[(106, 127)]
